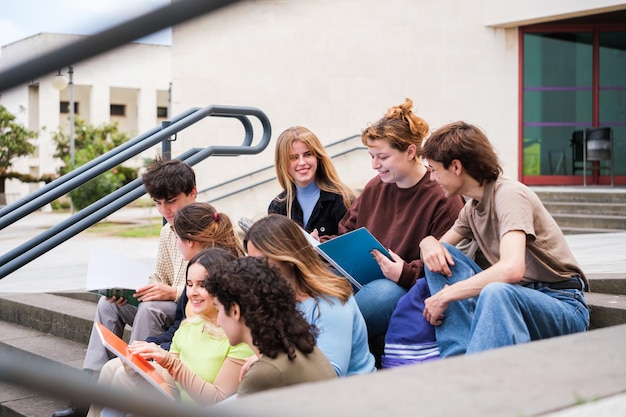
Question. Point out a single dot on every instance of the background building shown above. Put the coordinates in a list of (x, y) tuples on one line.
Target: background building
[(129, 85)]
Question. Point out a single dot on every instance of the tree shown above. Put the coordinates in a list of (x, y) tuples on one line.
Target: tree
[(89, 143), (15, 142)]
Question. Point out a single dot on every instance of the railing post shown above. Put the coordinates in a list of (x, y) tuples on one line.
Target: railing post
[(166, 144)]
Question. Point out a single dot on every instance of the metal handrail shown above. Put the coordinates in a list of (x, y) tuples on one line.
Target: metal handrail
[(50, 378), (273, 178), (44, 195), (59, 233), (330, 145), (111, 159)]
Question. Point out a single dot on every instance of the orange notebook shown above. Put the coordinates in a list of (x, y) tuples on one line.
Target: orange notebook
[(138, 363)]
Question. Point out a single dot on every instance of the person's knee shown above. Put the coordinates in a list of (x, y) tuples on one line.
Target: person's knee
[(379, 294), (496, 292), (106, 308)]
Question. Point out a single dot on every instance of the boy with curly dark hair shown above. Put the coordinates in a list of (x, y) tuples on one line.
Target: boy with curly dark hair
[(256, 305)]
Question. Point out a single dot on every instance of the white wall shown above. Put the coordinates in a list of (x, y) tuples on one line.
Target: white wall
[(336, 65)]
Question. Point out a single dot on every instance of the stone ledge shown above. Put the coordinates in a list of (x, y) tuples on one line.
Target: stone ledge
[(523, 380)]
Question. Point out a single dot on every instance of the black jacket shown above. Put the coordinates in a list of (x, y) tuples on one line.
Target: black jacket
[(328, 211)]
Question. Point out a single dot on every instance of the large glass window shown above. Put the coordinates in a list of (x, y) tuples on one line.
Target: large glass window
[(572, 80), (612, 93), (557, 99)]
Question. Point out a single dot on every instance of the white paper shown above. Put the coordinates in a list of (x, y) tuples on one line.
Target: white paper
[(107, 269)]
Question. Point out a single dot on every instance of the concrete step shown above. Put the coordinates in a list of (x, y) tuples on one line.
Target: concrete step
[(609, 283), (606, 195), (61, 316), (581, 230), (606, 310), (598, 221), (532, 379), (587, 208), (26, 345)]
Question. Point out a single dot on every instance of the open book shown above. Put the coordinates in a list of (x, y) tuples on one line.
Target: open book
[(350, 254), (136, 362), (113, 275)]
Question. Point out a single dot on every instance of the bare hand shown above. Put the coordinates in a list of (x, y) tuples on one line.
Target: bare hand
[(156, 292), (435, 256), (120, 301), (392, 269), (148, 350), (435, 306), (315, 235), (247, 364)]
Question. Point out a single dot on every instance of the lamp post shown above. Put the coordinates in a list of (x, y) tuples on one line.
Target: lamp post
[(59, 82)]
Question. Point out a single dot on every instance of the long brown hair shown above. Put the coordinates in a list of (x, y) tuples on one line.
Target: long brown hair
[(400, 127), (326, 176), (281, 239), (202, 223)]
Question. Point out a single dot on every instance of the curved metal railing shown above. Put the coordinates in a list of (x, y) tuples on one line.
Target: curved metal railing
[(42, 243)]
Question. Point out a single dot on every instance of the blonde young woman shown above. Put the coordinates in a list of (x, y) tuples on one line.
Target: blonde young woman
[(324, 298), (313, 195), (201, 365), (400, 206)]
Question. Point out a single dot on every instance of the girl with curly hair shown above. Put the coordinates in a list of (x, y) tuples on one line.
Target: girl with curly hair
[(313, 195), (400, 206), (324, 298), (257, 306)]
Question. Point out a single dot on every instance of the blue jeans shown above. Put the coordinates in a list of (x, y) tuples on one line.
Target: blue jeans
[(377, 300), (503, 314)]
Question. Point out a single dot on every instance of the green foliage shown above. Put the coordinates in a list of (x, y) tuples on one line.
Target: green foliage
[(15, 141), (89, 143)]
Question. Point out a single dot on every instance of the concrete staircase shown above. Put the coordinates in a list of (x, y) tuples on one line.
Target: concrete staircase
[(586, 210), (57, 327)]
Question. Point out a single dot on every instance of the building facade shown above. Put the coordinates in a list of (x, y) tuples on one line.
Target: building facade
[(529, 73), (129, 85)]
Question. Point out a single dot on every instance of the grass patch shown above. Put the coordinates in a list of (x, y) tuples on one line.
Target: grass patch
[(151, 229)]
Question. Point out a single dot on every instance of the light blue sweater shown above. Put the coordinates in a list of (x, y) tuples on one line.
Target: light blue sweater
[(342, 334)]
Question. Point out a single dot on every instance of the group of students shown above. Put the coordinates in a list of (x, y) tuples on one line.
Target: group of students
[(465, 276)]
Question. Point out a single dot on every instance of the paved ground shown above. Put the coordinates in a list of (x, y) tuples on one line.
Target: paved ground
[(64, 268)]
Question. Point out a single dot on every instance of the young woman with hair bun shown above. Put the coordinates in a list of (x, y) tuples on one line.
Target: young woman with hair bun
[(399, 206)]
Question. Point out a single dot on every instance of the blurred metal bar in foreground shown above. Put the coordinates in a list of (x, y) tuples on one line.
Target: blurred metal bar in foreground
[(175, 13), (52, 379)]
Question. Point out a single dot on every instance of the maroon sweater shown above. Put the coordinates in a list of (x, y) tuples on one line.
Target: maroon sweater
[(401, 217)]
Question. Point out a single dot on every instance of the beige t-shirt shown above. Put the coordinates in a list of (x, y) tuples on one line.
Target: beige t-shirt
[(509, 205)]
